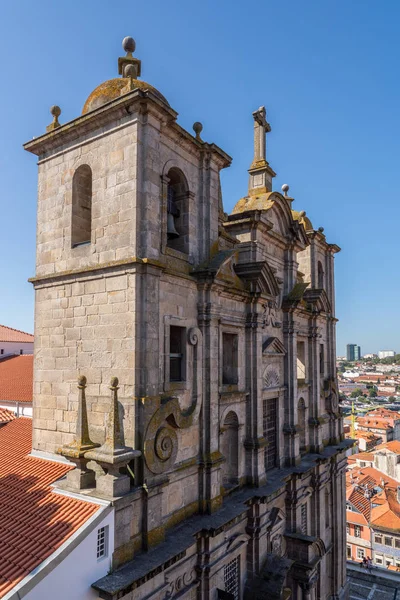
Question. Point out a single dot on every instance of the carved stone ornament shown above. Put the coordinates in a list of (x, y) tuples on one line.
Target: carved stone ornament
[(270, 317), (278, 545), (180, 583), (161, 439), (271, 377), (329, 393)]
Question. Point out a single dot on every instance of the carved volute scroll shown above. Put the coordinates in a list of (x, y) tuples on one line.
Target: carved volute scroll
[(161, 439)]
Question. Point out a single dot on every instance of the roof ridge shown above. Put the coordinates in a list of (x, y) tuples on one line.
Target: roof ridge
[(13, 329)]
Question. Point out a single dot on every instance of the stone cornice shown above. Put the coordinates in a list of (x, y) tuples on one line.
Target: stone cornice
[(139, 100), (105, 114), (136, 572), (94, 269)]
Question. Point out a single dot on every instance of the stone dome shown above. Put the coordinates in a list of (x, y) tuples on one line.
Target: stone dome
[(261, 201), (114, 88)]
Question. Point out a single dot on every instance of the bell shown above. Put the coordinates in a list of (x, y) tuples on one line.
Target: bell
[(171, 231)]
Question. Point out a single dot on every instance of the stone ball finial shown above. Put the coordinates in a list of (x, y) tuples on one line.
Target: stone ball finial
[(285, 189), (55, 111), (197, 128), (129, 44), (302, 214), (82, 380), (321, 229), (130, 71), (114, 382)]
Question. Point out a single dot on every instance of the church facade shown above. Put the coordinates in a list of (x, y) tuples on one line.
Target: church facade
[(185, 358)]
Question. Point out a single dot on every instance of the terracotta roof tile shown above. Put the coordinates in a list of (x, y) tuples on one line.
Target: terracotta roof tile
[(6, 415), (360, 502), (8, 334), (356, 518), (383, 412), (34, 520), (16, 378), (375, 422), (393, 446), (367, 456), (388, 520)]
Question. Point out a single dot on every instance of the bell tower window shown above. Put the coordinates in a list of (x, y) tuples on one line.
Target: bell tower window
[(230, 449), (81, 223), (320, 276), (177, 211), (177, 354), (270, 422), (301, 408), (229, 359)]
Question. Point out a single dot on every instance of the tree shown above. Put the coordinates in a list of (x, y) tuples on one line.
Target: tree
[(392, 399), (373, 393), (356, 392)]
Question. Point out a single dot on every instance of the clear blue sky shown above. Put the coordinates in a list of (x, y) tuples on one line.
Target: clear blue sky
[(327, 72)]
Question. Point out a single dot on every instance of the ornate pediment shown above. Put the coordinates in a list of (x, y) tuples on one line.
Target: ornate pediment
[(295, 296), (272, 346), (259, 277), (317, 300), (221, 268), (276, 517), (311, 299)]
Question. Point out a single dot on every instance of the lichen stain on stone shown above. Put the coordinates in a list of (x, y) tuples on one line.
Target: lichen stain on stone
[(114, 88)]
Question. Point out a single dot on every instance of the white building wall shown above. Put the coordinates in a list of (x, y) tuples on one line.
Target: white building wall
[(386, 353), (16, 347), (73, 577)]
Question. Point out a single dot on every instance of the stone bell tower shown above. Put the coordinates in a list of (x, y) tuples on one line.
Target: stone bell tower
[(124, 195)]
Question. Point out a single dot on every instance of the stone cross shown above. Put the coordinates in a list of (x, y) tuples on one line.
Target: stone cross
[(261, 127)]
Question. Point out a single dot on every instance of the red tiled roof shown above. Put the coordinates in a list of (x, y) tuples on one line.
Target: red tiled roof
[(367, 456), (393, 446), (8, 334), (383, 412), (375, 423), (366, 435), (384, 509), (360, 502), (34, 520), (16, 378), (389, 520), (356, 518), (6, 415), (369, 474)]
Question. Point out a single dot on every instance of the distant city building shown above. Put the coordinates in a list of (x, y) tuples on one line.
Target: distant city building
[(353, 352), (386, 353), (351, 374), (370, 355), (383, 422)]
